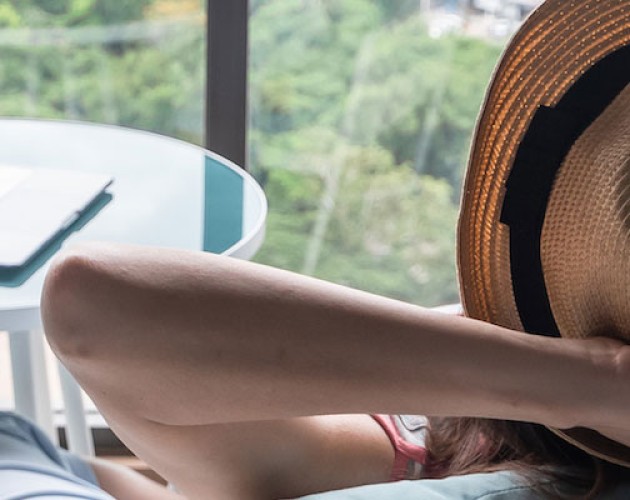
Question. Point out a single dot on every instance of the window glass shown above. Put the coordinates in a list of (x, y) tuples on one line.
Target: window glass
[(361, 117), (137, 63)]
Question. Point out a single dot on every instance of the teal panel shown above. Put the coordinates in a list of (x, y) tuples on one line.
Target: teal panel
[(223, 208)]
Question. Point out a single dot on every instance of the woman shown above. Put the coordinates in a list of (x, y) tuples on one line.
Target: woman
[(197, 364), (235, 380)]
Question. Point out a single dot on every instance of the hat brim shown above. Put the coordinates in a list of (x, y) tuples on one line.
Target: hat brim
[(555, 46)]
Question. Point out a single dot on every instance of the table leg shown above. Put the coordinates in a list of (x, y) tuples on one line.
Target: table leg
[(30, 381), (78, 433)]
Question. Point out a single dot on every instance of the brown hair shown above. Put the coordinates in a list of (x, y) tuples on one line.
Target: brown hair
[(457, 446)]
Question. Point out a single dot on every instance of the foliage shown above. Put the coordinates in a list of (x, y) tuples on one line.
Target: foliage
[(357, 93), (47, 13), (148, 76), (360, 121)]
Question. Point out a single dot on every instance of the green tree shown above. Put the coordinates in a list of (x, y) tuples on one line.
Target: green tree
[(47, 13), (94, 72), (358, 95)]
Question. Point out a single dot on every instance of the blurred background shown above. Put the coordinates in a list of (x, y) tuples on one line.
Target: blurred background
[(360, 114)]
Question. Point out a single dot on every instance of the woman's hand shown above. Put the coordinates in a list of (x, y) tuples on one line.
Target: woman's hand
[(610, 415)]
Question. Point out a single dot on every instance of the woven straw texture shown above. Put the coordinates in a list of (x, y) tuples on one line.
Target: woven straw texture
[(585, 244)]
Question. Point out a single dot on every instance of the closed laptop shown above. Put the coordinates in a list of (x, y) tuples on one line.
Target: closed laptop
[(38, 204)]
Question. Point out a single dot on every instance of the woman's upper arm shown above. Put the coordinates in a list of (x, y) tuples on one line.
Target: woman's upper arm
[(322, 453), (126, 484), (262, 459)]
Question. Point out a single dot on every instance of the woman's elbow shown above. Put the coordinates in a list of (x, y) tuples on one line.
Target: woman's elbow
[(67, 304)]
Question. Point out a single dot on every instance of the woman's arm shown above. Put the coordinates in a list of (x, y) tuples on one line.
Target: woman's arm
[(259, 460), (208, 339), (191, 339), (125, 484)]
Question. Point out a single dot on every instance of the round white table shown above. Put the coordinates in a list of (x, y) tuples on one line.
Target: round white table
[(165, 193)]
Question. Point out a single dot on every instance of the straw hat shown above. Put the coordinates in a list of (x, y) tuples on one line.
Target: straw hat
[(544, 230)]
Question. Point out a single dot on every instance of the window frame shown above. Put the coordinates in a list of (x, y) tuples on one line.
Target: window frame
[(225, 124)]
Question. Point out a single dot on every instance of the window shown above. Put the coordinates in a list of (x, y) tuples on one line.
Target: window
[(361, 117), (136, 63)]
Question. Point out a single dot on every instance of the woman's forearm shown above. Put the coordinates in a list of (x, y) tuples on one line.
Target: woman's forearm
[(208, 339)]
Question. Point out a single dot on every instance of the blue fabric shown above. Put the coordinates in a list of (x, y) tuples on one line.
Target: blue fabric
[(491, 486), (31, 466), (503, 485)]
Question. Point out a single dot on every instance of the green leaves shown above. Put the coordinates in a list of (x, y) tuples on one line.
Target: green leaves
[(372, 117), (9, 16), (101, 61)]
